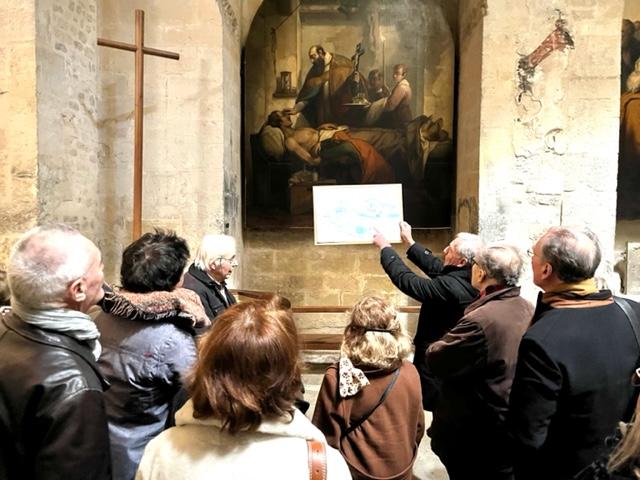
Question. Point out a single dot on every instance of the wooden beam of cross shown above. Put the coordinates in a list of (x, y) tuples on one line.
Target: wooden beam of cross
[(140, 51)]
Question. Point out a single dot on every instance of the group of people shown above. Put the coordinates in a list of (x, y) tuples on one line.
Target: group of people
[(166, 377), (518, 392)]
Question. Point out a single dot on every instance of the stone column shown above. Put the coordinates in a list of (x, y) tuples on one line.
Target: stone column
[(47, 127)]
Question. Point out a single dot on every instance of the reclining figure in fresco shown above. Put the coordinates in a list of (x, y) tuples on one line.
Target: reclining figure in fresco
[(333, 151)]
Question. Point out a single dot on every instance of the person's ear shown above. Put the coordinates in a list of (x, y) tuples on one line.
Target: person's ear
[(77, 291), (546, 271)]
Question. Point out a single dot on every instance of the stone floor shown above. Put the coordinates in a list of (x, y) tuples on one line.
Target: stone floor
[(427, 466)]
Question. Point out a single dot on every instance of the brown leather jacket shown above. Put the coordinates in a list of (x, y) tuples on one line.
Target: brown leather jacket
[(52, 418)]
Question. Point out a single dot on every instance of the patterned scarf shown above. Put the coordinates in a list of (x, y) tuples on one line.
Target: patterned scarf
[(69, 322), (352, 379)]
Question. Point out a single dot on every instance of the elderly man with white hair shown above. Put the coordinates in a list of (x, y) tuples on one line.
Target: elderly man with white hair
[(52, 414), (445, 292), (208, 274)]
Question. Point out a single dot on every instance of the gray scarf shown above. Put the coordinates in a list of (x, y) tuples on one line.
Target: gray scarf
[(69, 322)]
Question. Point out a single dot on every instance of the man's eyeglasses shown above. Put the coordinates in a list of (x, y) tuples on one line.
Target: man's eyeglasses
[(233, 261), (530, 252)]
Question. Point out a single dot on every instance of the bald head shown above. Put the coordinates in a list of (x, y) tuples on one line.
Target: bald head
[(44, 264), (573, 253)]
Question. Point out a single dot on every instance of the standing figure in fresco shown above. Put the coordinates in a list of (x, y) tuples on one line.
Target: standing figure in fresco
[(336, 153), (397, 109), (629, 162), (326, 88), (629, 51), (377, 89)]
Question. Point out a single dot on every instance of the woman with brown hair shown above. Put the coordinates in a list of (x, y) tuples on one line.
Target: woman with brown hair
[(370, 403), (241, 421)]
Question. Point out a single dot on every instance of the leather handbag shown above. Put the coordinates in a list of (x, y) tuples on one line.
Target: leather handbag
[(317, 460)]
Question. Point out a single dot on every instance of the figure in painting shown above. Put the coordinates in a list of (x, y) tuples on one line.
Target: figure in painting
[(326, 89), (628, 171), (630, 51), (377, 88), (397, 108), (334, 151)]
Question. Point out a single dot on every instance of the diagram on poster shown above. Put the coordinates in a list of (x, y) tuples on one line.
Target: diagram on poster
[(349, 214)]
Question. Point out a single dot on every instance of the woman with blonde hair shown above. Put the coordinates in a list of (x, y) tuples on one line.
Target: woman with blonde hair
[(370, 403), (241, 421)]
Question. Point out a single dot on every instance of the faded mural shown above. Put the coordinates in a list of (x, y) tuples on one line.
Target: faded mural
[(348, 92), (629, 160)]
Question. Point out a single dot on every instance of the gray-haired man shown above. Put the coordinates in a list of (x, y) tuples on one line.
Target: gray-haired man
[(52, 417), (572, 381), (444, 293)]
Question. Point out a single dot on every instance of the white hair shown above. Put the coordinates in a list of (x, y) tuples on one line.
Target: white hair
[(44, 261), (468, 245), (213, 247)]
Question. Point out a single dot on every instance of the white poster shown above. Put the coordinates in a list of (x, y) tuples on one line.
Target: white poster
[(346, 214)]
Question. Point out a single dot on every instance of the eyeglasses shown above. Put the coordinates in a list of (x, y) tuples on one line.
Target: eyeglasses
[(530, 252), (233, 261)]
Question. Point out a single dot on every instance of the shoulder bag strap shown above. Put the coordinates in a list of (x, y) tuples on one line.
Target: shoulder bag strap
[(317, 460), (631, 316), (361, 420), (630, 313)]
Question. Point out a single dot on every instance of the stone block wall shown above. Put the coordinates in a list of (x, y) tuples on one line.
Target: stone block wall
[(288, 263), (187, 144), (547, 152), (68, 171), (18, 120)]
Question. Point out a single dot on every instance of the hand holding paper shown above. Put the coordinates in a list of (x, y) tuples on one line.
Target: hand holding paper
[(379, 240), (405, 234)]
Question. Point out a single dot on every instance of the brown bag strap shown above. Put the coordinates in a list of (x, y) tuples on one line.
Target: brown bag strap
[(317, 460)]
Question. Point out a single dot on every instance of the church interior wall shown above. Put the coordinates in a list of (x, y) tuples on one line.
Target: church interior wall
[(186, 139), (548, 147), (67, 112), (18, 123), (469, 102)]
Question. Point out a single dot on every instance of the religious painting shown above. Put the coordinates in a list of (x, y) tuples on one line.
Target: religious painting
[(629, 153), (356, 92)]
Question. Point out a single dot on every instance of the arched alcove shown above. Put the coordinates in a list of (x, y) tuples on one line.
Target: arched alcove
[(278, 185)]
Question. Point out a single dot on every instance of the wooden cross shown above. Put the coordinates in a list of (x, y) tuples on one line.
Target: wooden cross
[(140, 51)]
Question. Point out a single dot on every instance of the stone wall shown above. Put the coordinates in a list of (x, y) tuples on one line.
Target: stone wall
[(18, 120), (68, 180), (287, 262), (548, 146), (187, 144)]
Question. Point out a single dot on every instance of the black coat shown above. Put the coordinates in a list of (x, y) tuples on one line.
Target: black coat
[(52, 416), (444, 294), (572, 386), (212, 299)]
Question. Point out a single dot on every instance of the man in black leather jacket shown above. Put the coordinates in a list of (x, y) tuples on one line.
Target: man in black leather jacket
[(445, 292), (52, 417)]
